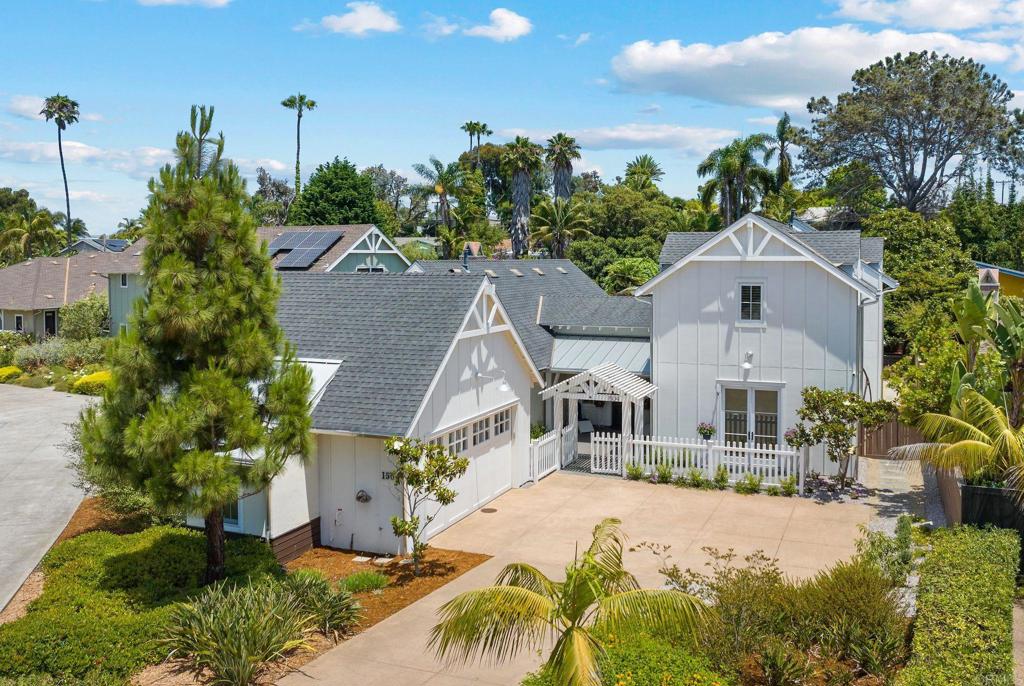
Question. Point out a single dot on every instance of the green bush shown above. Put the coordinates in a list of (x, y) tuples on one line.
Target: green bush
[(748, 485), (334, 610), (9, 373), (663, 473), (634, 472), (234, 631), (54, 352), (9, 342), (963, 633), (720, 482), (85, 318), (361, 582), (108, 598), (537, 430), (31, 381), (773, 490), (641, 660), (790, 486), (894, 555), (92, 384)]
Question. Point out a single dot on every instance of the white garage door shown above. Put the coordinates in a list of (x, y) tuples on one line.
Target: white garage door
[(489, 474)]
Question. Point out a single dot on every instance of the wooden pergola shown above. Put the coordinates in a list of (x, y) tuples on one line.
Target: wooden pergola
[(607, 382)]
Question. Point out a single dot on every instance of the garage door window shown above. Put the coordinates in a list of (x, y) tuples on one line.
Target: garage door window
[(482, 431), (458, 441), (502, 422)]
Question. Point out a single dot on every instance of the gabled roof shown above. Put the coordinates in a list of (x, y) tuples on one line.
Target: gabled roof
[(604, 379), (99, 244), (45, 283), (521, 293), (389, 332)]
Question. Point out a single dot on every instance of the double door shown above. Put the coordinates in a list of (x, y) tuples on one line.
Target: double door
[(751, 415)]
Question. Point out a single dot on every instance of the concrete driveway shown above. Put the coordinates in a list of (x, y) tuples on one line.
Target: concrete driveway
[(546, 523), (37, 497)]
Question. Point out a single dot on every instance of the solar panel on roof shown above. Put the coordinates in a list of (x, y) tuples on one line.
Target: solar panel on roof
[(305, 247)]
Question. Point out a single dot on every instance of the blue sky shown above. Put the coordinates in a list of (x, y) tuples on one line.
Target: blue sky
[(394, 80)]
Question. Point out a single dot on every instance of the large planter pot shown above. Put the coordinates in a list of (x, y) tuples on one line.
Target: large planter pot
[(984, 505)]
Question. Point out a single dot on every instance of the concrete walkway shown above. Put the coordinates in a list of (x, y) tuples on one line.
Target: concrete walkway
[(547, 523), (37, 497)]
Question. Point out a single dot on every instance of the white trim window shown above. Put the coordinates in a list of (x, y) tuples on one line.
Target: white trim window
[(503, 422), (368, 269), (481, 431), (232, 513), (124, 280), (751, 302), (458, 440)]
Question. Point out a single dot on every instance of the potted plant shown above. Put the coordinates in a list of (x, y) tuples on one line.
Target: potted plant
[(706, 430)]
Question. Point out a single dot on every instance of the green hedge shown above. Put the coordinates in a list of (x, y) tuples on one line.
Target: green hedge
[(107, 599), (963, 633)]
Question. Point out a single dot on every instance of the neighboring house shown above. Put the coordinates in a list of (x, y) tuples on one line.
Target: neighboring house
[(32, 292), (424, 242), (358, 248), (428, 357), (1000, 280), (87, 244), (746, 317), (568, 322)]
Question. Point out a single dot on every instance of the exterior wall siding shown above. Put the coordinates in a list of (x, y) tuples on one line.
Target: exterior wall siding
[(252, 515), (388, 260), (28, 321), (123, 299)]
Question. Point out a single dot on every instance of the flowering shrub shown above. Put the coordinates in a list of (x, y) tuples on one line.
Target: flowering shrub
[(9, 342), (706, 430), (92, 384)]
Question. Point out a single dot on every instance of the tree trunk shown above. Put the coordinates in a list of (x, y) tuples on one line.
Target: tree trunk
[(520, 212), (563, 180), (298, 148), (214, 524), (67, 195), (478, 151)]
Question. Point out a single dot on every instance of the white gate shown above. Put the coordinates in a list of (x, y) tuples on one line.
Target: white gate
[(544, 455), (605, 453), (569, 438)]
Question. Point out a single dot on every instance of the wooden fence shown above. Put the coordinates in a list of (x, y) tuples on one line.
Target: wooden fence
[(892, 434)]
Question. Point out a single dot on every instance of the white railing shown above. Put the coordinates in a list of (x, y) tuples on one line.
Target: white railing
[(772, 463), (544, 455)]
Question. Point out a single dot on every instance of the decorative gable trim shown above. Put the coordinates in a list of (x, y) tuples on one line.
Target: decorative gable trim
[(749, 251), (485, 316), (372, 242)]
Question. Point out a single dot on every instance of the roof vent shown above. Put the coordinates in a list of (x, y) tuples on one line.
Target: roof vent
[(562, 270), (515, 271), (491, 273), (455, 270), (537, 269)]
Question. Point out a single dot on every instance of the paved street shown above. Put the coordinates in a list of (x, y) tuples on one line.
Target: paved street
[(37, 497)]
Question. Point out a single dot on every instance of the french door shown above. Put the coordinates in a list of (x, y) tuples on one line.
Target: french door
[(751, 415)]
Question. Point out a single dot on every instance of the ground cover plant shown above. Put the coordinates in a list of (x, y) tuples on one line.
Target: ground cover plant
[(108, 598)]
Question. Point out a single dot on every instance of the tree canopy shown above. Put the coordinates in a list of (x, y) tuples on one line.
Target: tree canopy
[(335, 194)]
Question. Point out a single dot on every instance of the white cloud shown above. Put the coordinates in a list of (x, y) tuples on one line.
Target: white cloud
[(249, 166), (763, 121), (200, 3), (779, 70), (25, 106), (361, 19), (438, 27), (693, 141), (505, 26), (653, 108), (140, 162), (951, 15), (578, 40), (92, 116), (87, 196)]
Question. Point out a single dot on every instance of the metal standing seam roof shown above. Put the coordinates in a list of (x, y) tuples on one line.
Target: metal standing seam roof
[(611, 375), (579, 353), (390, 333), (521, 295)]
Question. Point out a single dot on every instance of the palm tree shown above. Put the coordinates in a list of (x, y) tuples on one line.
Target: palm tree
[(976, 437), (779, 145), (481, 130), (737, 178), (642, 172), (556, 223), (63, 111), (449, 242), (300, 103), (442, 180), (521, 158), (597, 598), (560, 153), (471, 127), (24, 237)]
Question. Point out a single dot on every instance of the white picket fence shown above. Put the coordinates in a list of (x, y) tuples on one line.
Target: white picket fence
[(544, 457), (772, 463)]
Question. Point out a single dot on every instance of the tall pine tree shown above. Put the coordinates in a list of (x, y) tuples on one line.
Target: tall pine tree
[(206, 400)]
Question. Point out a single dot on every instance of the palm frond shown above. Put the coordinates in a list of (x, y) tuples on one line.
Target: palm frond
[(573, 660), (658, 611), (523, 575), (496, 622), (941, 428)]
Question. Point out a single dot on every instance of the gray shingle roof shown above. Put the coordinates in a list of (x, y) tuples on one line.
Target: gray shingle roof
[(45, 283), (600, 310), (520, 295), (679, 245), (390, 331), (871, 249)]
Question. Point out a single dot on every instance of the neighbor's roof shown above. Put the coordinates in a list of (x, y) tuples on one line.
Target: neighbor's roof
[(351, 234), (578, 353), (390, 333), (45, 283), (99, 243), (521, 293), (596, 311)]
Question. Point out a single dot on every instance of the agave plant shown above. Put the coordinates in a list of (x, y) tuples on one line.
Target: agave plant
[(525, 609)]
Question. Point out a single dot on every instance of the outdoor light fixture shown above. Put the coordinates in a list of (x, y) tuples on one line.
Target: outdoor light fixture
[(747, 361), (504, 387)]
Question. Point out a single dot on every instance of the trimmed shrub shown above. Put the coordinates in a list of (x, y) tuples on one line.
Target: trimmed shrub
[(748, 485), (334, 610), (92, 384), (9, 373), (963, 633), (361, 582), (108, 598), (234, 631), (9, 342), (641, 660)]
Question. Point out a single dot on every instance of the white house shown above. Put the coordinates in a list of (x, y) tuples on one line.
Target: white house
[(746, 317), (420, 356)]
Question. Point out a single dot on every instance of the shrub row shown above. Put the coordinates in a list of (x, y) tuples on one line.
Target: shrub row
[(963, 633), (61, 352)]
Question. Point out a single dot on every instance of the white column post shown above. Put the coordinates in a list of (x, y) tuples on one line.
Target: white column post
[(558, 402), (805, 461)]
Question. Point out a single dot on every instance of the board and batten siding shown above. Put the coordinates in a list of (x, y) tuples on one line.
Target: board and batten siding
[(808, 338), (122, 299)]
